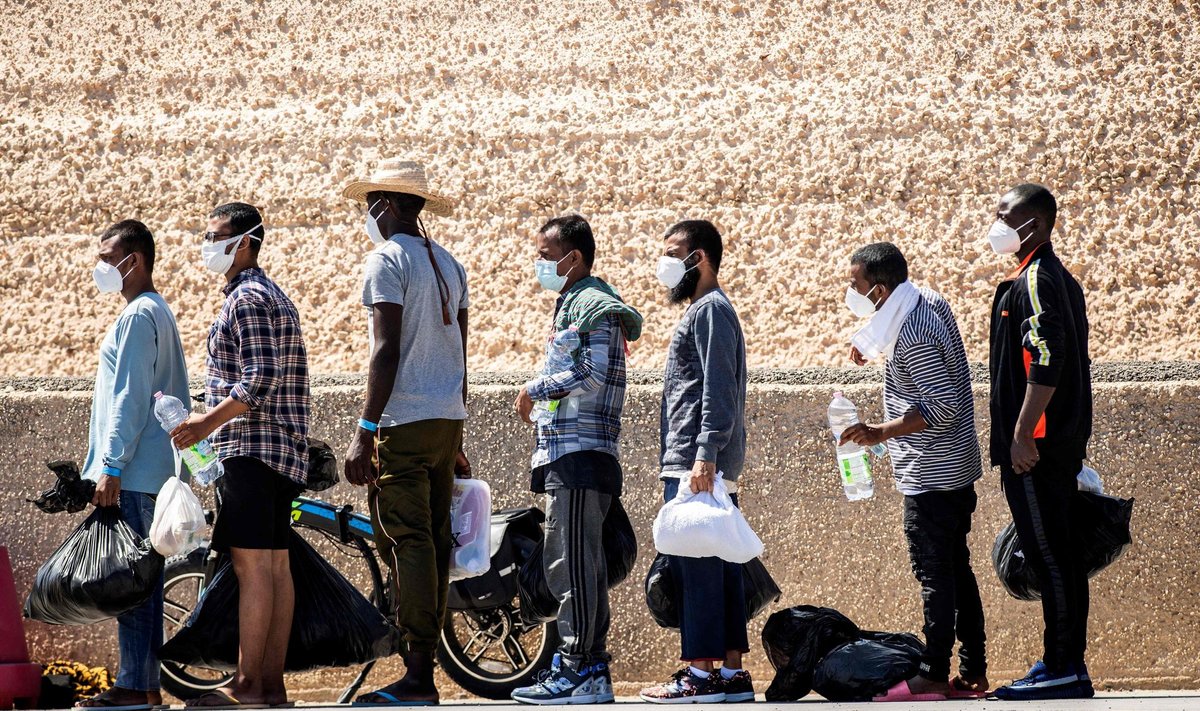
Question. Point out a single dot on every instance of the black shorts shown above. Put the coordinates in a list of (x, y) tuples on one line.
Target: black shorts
[(254, 507)]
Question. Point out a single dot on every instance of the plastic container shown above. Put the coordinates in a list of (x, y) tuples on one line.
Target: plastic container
[(470, 529), (854, 464), (200, 458), (560, 357)]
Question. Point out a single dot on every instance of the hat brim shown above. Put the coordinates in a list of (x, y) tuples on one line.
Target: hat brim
[(439, 205)]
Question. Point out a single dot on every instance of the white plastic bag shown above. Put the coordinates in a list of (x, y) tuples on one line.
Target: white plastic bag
[(179, 523), (471, 529), (705, 524), (1089, 480)]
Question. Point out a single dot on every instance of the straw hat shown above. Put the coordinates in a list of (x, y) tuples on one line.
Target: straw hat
[(400, 176)]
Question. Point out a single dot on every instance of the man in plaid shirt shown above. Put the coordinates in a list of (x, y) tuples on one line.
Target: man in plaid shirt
[(257, 399), (575, 463)]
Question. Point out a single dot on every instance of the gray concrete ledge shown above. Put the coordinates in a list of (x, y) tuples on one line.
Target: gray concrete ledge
[(1113, 372)]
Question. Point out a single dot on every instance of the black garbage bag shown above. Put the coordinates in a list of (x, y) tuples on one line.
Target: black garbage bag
[(620, 543), (70, 493), (538, 606), (104, 569), (663, 601), (333, 624), (868, 667), (797, 639), (1101, 537)]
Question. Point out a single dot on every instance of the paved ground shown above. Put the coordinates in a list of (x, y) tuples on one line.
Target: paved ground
[(1125, 701)]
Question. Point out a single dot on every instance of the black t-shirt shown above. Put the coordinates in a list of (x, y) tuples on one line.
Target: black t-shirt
[(599, 471)]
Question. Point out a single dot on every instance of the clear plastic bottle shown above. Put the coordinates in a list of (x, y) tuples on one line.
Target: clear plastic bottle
[(854, 464), (560, 357), (200, 458)]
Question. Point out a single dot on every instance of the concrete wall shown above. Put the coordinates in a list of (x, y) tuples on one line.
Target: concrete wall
[(821, 548), (801, 128)]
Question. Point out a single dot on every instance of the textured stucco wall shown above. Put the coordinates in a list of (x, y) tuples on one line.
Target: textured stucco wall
[(821, 548), (801, 128)]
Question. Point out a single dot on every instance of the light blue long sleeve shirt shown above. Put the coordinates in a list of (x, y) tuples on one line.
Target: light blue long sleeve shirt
[(141, 355)]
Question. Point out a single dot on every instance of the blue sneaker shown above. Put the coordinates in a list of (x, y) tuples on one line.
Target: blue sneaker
[(602, 683), (1042, 684), (562, 685)]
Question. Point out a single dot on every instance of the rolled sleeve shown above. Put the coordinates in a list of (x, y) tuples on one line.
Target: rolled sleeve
[(257, 351)]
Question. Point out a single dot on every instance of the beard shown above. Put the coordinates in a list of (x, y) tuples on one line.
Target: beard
[(686, 287)]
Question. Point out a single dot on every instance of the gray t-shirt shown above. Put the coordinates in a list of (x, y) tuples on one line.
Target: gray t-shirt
[(430, 378)]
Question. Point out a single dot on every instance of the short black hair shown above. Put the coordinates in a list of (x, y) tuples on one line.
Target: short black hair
[(882, 263), (1038, 200), (133, 236), (242, 217), (574, 232), (701, 235)]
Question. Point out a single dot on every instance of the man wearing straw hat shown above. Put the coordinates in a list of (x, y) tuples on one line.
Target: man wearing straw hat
[(407, 448)]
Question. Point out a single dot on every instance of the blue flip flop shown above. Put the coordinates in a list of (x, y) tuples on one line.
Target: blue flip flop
[(389, 701)]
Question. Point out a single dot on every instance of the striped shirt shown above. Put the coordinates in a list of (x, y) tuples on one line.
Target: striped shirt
[(256, 356), (592, 395), (928, 371)]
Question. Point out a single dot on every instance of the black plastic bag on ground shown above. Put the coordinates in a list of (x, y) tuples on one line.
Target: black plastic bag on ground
[(866, 668), (538, 606), (333, 624), (1102, 536), (663, 601), (797, 639), (101, 571)]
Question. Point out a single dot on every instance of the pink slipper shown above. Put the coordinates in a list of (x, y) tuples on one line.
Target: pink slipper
[(901, 692), (957, 693)]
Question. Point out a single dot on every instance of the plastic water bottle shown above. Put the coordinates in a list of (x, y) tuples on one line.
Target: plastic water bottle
[(200, 458), (560, 357), (854, 464)]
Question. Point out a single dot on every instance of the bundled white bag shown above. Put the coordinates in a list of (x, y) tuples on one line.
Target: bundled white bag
[(1089, 480), (178, 524), (471, 529), (705, 524)]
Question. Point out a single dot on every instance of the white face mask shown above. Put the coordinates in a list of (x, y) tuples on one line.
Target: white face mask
[(372, 226), (670, 270), (108, 277), (214, 256), (861, 304), (1006, 240), (547, 274)]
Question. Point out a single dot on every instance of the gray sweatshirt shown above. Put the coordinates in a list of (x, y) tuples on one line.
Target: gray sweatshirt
[(704, 390)]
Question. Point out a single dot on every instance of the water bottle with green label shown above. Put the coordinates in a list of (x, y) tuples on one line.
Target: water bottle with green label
[(200, 458)]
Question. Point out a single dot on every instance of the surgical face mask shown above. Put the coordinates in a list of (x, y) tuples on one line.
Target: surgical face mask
[(547, 274), (108, 277), (861, 304), (670, 270), (214, 254), (372, 226), (1006, 240)]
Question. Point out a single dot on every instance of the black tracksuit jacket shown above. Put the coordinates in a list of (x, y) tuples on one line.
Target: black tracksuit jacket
[(1039, 334)]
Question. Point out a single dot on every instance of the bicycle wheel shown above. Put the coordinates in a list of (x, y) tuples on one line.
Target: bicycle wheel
[(490, 653), (184, 581)]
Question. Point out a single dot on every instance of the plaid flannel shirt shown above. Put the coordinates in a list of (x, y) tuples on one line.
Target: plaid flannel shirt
[(592, 395), (256, 355)]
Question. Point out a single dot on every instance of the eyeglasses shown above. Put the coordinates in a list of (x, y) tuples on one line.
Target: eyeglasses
[(216, 236)]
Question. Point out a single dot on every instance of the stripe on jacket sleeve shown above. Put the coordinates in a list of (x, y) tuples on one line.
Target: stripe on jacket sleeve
[(1035, 338)]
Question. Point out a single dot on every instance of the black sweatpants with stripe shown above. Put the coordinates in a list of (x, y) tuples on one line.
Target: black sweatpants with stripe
[(1041, 502), (576, 572)]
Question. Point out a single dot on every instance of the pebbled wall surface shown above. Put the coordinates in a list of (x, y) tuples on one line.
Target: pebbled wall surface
[(803, 129)]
